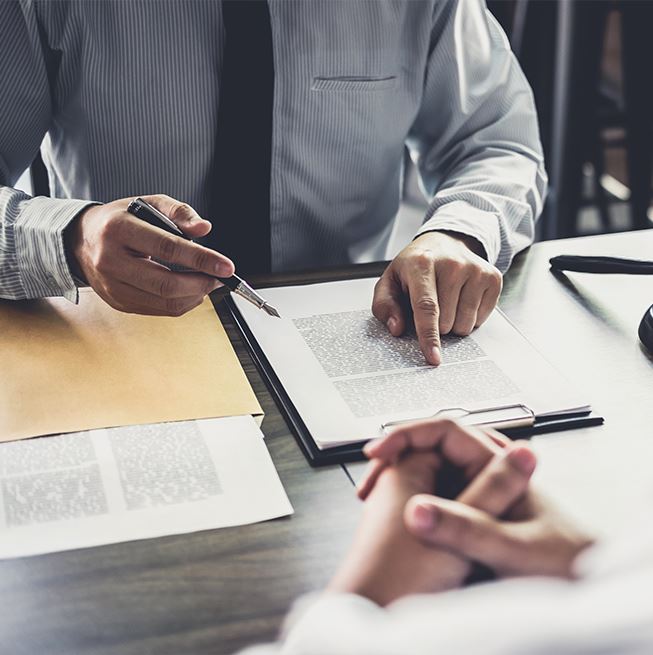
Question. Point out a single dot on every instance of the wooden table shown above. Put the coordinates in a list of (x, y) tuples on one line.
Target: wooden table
[(217, 591)]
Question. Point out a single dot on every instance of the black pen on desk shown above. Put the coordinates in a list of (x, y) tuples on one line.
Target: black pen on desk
[(143, 210)]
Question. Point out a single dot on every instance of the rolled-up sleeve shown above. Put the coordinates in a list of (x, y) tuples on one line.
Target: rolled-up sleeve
[(32, 258), (475, 139)]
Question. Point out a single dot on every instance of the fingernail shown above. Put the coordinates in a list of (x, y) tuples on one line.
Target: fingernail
[(523, 460), (436, 356), (425, 517), (392, 324)]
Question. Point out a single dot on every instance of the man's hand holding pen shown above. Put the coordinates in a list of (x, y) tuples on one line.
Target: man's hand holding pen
[(114, 253)]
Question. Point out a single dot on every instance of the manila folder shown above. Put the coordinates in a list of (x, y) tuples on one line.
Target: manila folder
[(67, 367)]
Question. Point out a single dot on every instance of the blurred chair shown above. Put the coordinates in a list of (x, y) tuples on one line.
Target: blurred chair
[(559, 44)]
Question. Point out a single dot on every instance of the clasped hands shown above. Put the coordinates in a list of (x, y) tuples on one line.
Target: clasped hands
[(413, 541)]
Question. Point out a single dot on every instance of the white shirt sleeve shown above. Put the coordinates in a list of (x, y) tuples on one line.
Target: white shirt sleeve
[(475, 139), (610, 610), (33, 261)]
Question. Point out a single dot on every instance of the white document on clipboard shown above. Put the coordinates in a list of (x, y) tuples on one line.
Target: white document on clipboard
[(348, 378)]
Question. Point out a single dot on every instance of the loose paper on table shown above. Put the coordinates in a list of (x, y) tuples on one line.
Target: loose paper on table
[(346, 375), (137, 482), (69, 367)]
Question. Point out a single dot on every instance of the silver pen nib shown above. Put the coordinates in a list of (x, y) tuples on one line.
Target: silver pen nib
[(270, 310), (246, 292)]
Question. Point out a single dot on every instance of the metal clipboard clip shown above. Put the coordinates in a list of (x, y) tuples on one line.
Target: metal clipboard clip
[(500, 417)]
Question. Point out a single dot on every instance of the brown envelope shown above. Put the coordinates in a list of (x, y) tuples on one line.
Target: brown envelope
[(66, 367)]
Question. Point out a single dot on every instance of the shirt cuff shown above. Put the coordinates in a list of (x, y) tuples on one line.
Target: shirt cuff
[(40, 248), (462, 217)]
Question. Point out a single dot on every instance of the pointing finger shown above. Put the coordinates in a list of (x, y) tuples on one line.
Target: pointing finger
[(426, 311)]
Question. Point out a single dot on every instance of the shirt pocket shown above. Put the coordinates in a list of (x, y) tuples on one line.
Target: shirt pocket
[(354, 83), (352, 129)]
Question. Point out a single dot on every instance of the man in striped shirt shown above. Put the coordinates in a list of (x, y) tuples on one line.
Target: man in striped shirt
[(282, 123)]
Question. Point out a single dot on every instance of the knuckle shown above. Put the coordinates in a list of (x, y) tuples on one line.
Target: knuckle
[(423, 258), (505, 542), (168, 250), (379, 286), (427, 305), (495, 280), (380, 307), (455, 267), (102, 260), (430, 336), (167, 287), (181, 212), (174, 307), (475, 275), (111, 229), (447, 424), (499, 481), (201, 259)]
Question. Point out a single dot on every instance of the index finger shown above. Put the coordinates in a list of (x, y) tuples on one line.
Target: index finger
[(149, 240), (465, 447), (371, 475), (426, 312), (502, 482)]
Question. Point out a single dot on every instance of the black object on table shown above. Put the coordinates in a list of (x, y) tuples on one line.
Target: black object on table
[(608, 265)]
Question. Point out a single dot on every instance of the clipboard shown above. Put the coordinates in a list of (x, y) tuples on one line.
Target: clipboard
[(520, 427)]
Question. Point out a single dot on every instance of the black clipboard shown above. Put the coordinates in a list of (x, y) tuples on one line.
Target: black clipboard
[(354, 452)]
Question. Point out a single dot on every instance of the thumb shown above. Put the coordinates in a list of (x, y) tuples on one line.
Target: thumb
[(466, 531), (386, 305), (182, 214)]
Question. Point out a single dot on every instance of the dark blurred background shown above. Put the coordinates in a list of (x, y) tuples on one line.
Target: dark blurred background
[(589, 64)]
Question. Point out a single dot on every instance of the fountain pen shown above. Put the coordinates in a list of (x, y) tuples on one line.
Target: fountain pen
[(143, 210)]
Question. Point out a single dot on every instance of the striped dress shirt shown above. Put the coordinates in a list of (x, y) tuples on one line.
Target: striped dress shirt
[(122, 98)]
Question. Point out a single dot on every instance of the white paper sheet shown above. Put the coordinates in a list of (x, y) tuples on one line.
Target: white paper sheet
[(137, 482), (346, 375)]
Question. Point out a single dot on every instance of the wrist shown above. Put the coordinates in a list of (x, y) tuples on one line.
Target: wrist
[(471, 242), (73, 240)]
